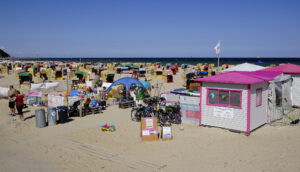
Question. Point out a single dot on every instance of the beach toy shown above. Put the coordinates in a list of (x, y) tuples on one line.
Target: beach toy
[(108, 127)]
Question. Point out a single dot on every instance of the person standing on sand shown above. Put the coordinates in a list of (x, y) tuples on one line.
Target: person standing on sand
[(12, 99), (139, 95), (20, 104), (102, 93), (132, 94)]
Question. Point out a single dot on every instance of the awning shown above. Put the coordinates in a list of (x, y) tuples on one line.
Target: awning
[(79, 73), (24, 74), (110, 75)]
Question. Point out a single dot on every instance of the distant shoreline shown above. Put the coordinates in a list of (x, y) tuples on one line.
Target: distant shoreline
[(148, 57), (263, 61)]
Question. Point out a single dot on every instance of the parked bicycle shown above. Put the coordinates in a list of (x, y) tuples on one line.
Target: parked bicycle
[(141, 111), (168, 115)]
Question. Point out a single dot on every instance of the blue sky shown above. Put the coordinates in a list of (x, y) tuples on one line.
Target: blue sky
[(146, 28)]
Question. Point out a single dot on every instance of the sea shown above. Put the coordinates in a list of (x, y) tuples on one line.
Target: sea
[(263, 61)]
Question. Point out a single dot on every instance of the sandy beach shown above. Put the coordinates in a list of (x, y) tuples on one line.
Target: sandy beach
[(80, 145)]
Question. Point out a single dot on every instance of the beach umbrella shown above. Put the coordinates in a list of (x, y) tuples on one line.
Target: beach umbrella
[(146, 84), (74, 93)]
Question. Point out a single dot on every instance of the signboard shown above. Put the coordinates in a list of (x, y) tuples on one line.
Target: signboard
[(166, 133), (223, 112), (149, 130), (192, 114), (54, 101)]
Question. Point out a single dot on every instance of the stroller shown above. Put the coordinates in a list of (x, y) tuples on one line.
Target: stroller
[(73, 110), (102, 104)]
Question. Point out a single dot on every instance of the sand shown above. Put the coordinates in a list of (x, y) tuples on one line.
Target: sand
[(80, 145)]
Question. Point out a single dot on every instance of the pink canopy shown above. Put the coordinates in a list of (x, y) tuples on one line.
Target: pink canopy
[(21, 71), (264, 75), (170, 72), (127, 72), (236, 77), (285, 68)]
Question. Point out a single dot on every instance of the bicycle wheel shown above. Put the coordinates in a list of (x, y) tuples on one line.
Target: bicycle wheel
[(134, 114), (178, 118)]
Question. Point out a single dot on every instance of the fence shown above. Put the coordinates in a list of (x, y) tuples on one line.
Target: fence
[(284, 117)]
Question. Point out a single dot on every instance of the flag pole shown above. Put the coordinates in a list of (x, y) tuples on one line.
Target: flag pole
[(217, 49), (218, 61)]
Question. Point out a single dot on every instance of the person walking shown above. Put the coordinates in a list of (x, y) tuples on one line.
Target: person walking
[(20, 104), (12, 99)]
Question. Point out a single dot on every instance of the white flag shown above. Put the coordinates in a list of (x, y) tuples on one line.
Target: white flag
[(217, 48)]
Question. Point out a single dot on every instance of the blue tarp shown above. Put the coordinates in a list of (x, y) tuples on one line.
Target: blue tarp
[(127, 81)]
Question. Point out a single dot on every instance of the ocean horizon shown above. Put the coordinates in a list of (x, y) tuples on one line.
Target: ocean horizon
[(263, 61)]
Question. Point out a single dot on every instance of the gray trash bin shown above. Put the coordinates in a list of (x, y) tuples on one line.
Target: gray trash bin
[(52, 117), (40, 119)]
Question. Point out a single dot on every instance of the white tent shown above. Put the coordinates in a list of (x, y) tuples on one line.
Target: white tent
[(244, 67), (279, 97)]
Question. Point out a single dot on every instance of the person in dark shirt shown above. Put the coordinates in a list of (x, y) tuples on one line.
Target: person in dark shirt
[(20, 104)]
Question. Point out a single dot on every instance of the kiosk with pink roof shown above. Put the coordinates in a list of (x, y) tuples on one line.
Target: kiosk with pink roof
[(235, 100)]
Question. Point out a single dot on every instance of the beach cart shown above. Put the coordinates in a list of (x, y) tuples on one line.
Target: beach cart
[(35, 69), (75, 82), (80, 76), (110, 77), (173, 69), (4, 70), (142, 72), (129, 66), (72, 74), (159, 73), (58, 73), (25, 80), (18, 73), (42, 75), (26, 67), (168, 76)]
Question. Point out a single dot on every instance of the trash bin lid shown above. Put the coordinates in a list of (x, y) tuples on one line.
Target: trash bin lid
[(62, 108)]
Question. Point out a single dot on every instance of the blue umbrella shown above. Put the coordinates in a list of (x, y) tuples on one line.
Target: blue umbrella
[(146, 84), (74, 93)]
